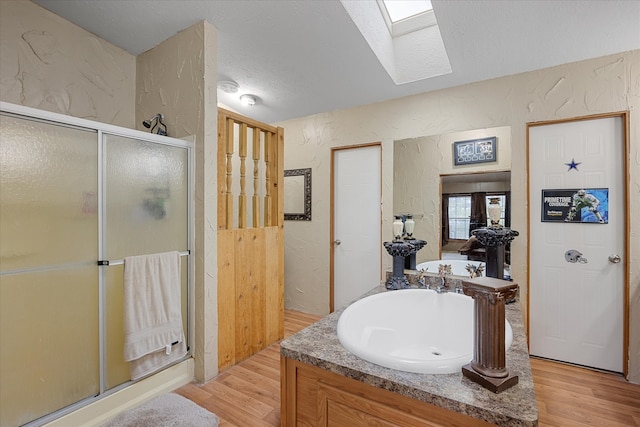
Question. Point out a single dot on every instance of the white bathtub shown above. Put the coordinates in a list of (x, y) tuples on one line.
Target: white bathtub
[(457, 266), (412, 330)]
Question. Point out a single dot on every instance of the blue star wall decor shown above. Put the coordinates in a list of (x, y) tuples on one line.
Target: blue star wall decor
[(573, 165)]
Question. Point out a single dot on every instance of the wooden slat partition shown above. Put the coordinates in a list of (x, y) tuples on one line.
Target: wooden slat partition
[(267, 197), (255, 218), (242, 199), (229, 168), (250, 256)]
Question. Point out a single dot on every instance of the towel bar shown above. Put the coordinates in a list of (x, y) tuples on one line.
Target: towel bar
[(106, 262)]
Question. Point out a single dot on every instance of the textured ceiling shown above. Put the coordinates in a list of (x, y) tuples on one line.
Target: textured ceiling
[(307, 57)]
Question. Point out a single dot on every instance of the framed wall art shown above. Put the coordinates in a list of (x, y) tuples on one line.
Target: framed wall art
[(577, 205), (474, 151)]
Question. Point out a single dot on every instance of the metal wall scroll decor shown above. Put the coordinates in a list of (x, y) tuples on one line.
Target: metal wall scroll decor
[(473, 151), (297, 194)]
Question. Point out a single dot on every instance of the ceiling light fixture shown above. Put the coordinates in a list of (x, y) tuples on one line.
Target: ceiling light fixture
[(228, 86), (248, 100)]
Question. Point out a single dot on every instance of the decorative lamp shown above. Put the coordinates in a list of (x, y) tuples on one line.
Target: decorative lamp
[(398, 227), (494, 211), (409, 225)]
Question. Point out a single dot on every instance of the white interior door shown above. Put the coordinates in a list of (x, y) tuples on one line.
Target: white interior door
[(577, 309), (356, 222)]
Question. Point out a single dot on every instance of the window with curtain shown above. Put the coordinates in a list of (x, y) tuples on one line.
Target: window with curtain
[(478, 211), (462, 213), (459, 216)]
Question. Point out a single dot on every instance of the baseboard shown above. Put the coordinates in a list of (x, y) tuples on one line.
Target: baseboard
[(108, 407)]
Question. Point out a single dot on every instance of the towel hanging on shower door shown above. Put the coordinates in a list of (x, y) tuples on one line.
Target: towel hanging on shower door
[(153, 332)]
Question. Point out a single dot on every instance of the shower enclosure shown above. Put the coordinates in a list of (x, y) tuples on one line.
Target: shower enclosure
[(74, 194)]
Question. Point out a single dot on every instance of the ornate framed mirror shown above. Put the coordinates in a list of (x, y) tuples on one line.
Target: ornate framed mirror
[(297, 194)]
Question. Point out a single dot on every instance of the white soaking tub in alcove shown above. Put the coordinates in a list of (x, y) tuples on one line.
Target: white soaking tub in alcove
[(412, 330)]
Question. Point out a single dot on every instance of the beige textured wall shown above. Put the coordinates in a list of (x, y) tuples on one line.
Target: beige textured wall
[(49, 63), (178, 78), (418, 164), (605, 84)]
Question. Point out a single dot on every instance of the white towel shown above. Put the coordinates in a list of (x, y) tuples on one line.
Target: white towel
[(153, 333)]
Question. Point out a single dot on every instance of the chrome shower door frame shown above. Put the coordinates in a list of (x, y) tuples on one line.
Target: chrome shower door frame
[(102, 130)]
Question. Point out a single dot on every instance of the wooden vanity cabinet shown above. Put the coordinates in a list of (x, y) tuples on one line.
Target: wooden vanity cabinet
[(311, 396)]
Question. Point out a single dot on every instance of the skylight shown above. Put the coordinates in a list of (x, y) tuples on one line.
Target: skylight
[(402, 9), (406, 16), (410, 49)]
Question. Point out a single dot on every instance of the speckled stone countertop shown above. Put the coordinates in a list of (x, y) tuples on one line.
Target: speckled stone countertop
[(318, 345)]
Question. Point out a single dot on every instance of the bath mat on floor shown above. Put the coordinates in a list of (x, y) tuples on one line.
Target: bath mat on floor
[(168, 410)]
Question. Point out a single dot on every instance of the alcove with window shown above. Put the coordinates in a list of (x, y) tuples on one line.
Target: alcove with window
[(465, 204)]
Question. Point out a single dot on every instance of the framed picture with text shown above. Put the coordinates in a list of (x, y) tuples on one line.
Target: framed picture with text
[(576, 205), (473, 151)]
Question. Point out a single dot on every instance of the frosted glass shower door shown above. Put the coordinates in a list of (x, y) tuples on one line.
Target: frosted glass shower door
[(49, 346), (146, 211)]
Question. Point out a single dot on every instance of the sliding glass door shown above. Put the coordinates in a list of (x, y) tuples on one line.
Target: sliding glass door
[(49, 343), (71, 196), (146, 211)]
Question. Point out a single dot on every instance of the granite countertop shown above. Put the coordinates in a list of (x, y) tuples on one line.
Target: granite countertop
[(318, 345)]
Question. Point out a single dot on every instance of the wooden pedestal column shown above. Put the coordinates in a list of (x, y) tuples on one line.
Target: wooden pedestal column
[(488, 367)]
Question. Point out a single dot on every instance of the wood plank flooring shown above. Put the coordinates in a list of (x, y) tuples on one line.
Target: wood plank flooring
[(248, 394), (573, 396)]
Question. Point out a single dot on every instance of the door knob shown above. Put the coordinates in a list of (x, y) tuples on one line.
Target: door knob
[(615, 258), (337, 242)]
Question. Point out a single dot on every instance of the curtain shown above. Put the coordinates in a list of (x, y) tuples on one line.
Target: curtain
[(445, 219), (507, 209), (478, 211)]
